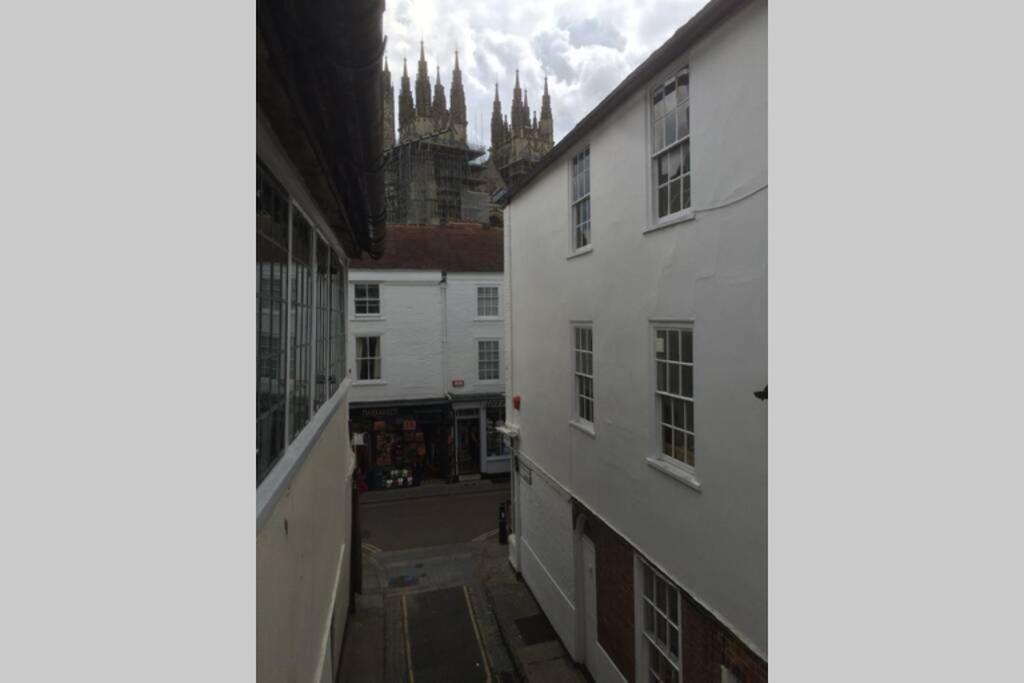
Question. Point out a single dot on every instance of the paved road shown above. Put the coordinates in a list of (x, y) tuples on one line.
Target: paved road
[(424, 522)]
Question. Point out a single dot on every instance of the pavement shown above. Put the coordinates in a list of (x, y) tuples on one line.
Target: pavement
[(448, 613)]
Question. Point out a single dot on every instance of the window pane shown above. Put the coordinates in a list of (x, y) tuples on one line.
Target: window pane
[(666, 410), (660, 630), (686, 191), (673, 609), (686, 156), (648, 617), (663, 201), (672, 343), (673, 196), (674, 166), (674, 377), (673, 640), (691, 452), (683, 122), (666, 441), (659, 594), (687, 380), (659, 134), (687, 345), (688, 415), (648, 582), (662, 169), (670, 127), (661, 344)]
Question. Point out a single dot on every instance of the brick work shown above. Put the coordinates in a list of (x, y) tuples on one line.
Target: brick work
[(613, 558), (707, 644)]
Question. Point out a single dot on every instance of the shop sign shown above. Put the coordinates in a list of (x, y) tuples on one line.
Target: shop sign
[(458, 383), (379, 412)]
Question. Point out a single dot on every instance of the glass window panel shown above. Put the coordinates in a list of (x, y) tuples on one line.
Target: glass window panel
[(674, 376), (683, 122), (648, 617), (648, 582), (659, 593), (670, 127), (659, 134), (686, 191), (686, 156), (666, 440), (687, 380), (662, 377), (672, 343), (691, 452), (673, 609), (662, 169), (674, 166), (663, 201), (674, 198), (673, 640), (661, 344), (687, 345), (688, 415)]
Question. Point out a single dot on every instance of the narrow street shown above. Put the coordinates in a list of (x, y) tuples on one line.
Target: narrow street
[(440, 601), (422, 522)]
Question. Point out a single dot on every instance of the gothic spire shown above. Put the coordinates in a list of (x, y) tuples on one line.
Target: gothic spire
[(406, 108), (497, 126), (517, 104), (439, 110), (422, 85), (458, 98)]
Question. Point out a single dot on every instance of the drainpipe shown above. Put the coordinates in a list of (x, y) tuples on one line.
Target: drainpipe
[(443, 286), (517, 515)]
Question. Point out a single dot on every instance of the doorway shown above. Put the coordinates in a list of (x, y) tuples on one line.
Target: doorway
[(467, 442)]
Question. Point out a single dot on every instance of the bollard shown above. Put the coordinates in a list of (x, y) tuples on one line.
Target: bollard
[(502, 525)]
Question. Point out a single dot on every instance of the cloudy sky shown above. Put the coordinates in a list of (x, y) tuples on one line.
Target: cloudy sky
[(585, 47)]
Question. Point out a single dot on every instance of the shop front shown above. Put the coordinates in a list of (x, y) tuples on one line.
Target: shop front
[(400, 445), (478, 447)]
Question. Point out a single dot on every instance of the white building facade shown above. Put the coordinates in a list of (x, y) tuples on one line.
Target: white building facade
[(636, 272), (427, 331)]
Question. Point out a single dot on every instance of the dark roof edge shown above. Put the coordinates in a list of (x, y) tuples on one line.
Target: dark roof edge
[(710, 16)]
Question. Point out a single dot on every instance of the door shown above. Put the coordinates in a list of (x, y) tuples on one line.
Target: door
[(467, 442), (590, 606)]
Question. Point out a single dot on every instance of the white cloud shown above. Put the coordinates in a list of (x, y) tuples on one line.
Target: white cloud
[(586, 47)]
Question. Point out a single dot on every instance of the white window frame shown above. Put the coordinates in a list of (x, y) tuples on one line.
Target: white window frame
[(580, 198), (651, 155), (316, 410), (579, 374), (356, 299), (667, 464), (497, 301), (379, 379), (479, 347), (644, 640)]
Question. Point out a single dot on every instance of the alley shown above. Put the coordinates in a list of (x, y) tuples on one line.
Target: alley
[(440, 601)]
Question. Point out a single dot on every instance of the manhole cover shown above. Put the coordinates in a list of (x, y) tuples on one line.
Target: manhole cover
[(403, 581), (535, 629)]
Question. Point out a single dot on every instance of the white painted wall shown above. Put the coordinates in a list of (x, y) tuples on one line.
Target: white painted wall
[(711, 270), (412, 312), (429, 332)]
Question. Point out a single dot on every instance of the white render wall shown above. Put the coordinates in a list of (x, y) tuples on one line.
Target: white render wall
[(413, 306), (711, 270)]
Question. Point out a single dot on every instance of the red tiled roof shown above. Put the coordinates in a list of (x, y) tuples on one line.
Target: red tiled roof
[(455, 247)]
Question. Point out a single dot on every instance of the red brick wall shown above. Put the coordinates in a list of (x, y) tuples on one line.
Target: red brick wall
[(707, 644), (613, 558)]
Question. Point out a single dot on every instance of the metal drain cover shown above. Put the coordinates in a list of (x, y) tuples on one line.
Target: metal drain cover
[(403, 581)]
